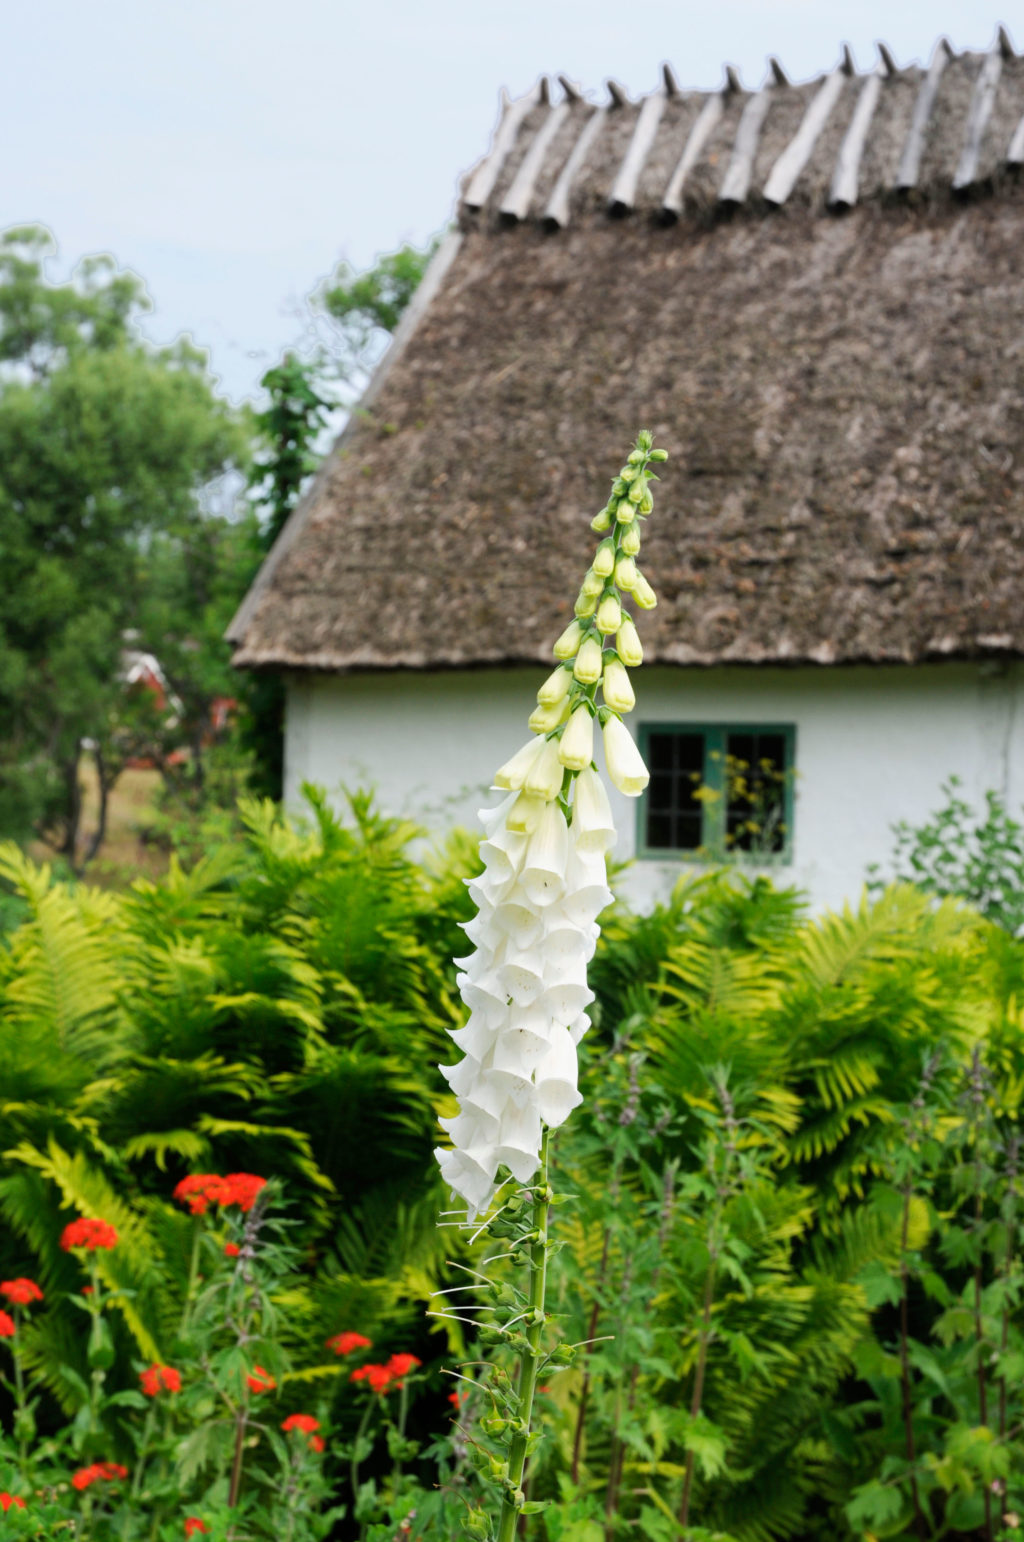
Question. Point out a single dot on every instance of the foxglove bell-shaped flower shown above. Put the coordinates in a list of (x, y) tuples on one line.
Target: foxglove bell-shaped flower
[(618, 693), (630, 649), (576, 746), (587, 668), (625, 763)]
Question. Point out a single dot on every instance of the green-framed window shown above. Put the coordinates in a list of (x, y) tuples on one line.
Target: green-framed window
[(718, 789)]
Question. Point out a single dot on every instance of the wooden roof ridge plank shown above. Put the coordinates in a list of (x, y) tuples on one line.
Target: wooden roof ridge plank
[(913, 147), (783, 176), (736, 182), (700, 133), (846, 177), (516, 203), (486, 175), (1015, 154), (557, 212), (623, 194), (978, 114)]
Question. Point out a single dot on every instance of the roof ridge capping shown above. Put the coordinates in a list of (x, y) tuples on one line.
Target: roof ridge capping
[(547, 160)]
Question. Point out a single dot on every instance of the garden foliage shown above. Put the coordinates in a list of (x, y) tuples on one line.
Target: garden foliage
[(794, 1235)]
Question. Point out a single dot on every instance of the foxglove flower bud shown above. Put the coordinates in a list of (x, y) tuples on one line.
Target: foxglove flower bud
[(555, 688), (543, 718), (630, 542), (604, 559), (569, 641), (625, 512), (593, 829), (587, 668), (601, 521), (646, 503), (624, 761), (638, 492), (544, 778), (576, 746), (585, 605), (628, 644), (625, 572), (525, 812), (618, 693), (643, 593), (609, 614), (513, 773), (593, 583)]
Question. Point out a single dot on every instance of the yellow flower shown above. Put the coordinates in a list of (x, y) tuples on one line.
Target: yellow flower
[(609, 614), (576, 746), (587, 668)]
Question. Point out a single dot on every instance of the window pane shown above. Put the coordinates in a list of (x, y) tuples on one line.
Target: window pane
[(660, 752), (674, 817), (659, 831), (756, 791)]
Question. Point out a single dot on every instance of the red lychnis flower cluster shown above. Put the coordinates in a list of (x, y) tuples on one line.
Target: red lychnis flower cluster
[(260, 1380), (8, 1327), (381, 1378), (194, 1527), (6, 1500), (160, 1378), (21, 1292), (201, 1190), (88, 1234), (107, 1472), (231, 1250), (345, 1343), (307, 1425)]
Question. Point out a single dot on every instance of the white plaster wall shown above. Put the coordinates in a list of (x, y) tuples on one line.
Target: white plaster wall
[(873, 745)]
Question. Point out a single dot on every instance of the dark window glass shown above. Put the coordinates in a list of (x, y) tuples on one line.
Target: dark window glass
[(755, 791), (674, 815)]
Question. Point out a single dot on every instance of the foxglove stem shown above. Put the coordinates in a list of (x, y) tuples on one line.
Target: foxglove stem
[(530, 1358)]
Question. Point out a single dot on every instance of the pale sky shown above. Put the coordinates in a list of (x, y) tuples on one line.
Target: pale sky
[(231, 151)]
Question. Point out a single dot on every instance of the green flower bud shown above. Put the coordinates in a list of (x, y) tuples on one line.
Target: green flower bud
[(625, 513), (593, 582), (569, 641), (628, 473), (659, 455), (544, 718), (625, 573), (604, 558), (631, 539), (628, 644), (555, 687), (601, 521), (637, 457), (609, 614), (646, 503), (618, 692), (586, 604), (643, 593), (588, 666), (576, 746), (638, 492)]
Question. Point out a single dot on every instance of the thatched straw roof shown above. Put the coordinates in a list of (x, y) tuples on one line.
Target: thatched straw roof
[(842, 397)]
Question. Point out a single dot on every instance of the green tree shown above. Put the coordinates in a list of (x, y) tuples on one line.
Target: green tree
[(105, 443), (368, 306)]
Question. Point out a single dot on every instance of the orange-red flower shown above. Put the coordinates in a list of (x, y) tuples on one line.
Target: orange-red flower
[(260, 1380), (231, 1250), (458, 1397), (345, 1343), (201, 1190), (316, 1442), (6, 1500), (401, 1365), (160, 1378), (89, 1234), (304, 1422), (8, 1327), (194, 1527), (106, 1472), (379, 1377), (243, 1190), (21, 1291)]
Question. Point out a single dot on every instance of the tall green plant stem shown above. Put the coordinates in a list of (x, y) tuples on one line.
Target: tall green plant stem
[(698, 1384), (908, 1415), (530, 1357), (19, 1402), (1011, 1218)]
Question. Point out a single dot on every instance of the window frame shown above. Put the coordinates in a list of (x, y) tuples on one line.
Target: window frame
[(715, 734)]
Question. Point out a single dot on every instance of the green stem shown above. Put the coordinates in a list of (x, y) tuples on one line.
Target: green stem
[(530, 1357), (353, 1471), (403, 1410), (241, 1421), (19, 1402), (140, 1460), (193, 1272)]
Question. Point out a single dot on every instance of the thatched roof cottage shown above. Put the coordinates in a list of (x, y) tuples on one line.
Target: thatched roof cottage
[(814, 295)]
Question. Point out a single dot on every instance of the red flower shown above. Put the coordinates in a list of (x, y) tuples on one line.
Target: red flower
[(399, 1367), (86, 1290), (6, 1500), (345, 1343), (457, 1398), (194, 1527), (304, 1422), (7, 1326), (201, 1190), (107, 1472), (379, 1377), (20, 1291), (317, 1442), (243, 1190), (231, 1250), (88, 1234), (160, 1377), (260, 1380)]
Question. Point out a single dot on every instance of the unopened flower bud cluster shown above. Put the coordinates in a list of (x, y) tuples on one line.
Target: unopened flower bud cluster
[(544, 881)]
